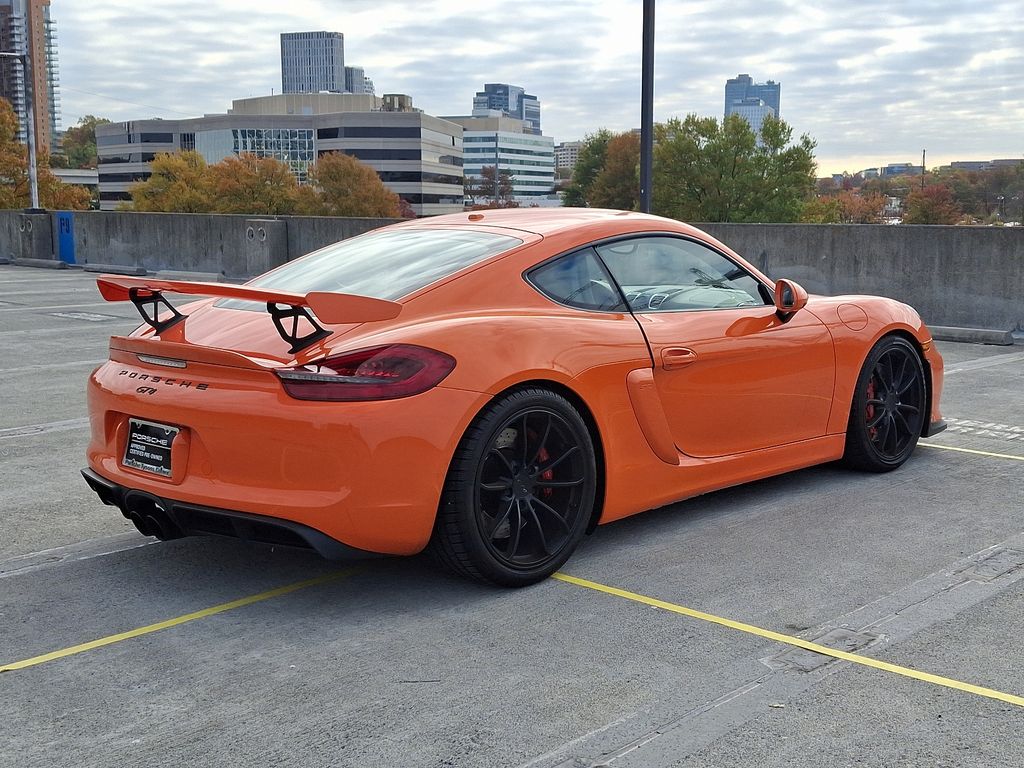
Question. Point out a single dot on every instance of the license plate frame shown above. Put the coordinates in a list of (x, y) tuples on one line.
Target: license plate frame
[(149, 447)]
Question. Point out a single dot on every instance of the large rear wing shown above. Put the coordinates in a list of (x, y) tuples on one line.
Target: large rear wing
[(304, 329)]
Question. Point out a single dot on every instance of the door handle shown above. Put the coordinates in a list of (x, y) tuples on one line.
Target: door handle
[(677, 357)]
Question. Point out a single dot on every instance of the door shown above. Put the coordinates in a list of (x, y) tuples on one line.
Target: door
[(732, 375)]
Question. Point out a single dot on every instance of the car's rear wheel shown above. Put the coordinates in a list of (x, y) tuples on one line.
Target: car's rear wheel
[(520, 491), (889, 407)]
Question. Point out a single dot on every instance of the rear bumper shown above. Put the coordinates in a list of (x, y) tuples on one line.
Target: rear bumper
[(367, 474), (170, 519)]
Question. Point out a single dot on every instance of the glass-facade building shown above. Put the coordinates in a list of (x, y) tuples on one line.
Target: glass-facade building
[(742, 87), (510, 101)]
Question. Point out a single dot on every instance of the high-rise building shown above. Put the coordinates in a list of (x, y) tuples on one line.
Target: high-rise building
[(742, 87), (416, 156), (753, 110), (312, 62), (502, 99), (21, 21)]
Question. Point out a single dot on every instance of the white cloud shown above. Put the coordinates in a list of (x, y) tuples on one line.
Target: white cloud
[(867, 79)]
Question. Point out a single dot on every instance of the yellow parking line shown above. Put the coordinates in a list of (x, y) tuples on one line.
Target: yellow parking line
[(167, 624), (971, 450), (789, 640)]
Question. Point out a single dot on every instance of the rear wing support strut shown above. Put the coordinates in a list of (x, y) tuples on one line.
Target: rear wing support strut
[(149, 303), (279, 313)]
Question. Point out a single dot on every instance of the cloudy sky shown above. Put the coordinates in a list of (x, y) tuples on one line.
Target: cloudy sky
[(872, 81)]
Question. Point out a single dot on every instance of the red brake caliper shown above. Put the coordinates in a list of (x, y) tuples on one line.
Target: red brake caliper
[(549, 475), (873, 431)]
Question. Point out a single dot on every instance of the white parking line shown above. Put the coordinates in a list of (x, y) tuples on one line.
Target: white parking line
[(50, 366), (41, 429), (984, 362)]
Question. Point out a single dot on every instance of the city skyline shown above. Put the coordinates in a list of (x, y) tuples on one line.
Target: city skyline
[(871, 85)]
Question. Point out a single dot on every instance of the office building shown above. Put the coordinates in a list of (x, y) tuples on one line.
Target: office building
[(357, 82), (312, 62), (417, 156), (510, 145), (504, 100), (567, 153), (753, 110), (742, 87), (21, 22), (901, 169)]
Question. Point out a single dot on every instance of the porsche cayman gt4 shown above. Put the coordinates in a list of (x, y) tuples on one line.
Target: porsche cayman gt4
[(491, 386)]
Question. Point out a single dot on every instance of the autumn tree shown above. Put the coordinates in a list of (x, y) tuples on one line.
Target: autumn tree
[(255, 185), (617, 184), (590, 161), (79, 142), (340, 185), (14, 181), (179, 183), (710, 171), (932, 205)]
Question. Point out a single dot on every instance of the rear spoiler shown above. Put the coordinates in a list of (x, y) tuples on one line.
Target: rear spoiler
[(147, 294)]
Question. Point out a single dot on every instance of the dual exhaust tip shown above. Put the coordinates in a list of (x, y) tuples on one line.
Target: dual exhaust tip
[(151, 519)]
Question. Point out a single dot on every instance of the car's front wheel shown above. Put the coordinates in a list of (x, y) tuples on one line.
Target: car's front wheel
[(889, 407), (520, 490)]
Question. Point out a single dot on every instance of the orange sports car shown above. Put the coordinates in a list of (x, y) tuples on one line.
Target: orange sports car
[(491, 386)]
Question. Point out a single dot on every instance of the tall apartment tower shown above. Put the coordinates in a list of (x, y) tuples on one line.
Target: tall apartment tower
[(742, 87), (509, 101), (21, 21), (312, 62)]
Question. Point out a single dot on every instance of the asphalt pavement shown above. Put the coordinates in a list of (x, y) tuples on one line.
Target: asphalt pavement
[(123, 651)]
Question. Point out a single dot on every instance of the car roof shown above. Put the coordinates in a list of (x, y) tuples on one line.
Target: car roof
[(547, 221)]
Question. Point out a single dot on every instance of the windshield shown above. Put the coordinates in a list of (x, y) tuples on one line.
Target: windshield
[(387, 264)]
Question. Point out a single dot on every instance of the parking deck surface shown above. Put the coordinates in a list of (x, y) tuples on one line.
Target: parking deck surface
[(203, 658)]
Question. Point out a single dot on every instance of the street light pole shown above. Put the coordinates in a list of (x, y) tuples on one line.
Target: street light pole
[(647, 108), (30, 128)]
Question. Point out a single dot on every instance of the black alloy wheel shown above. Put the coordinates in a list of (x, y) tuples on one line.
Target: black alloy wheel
[(520, 491), (889, 407)]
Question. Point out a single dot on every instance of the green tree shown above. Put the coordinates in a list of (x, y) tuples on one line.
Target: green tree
[(79, 142), (617, 185), (254, 185), (588, 165), (932, 205), (710, 171), (14, 182), (340, 185), (179, 183)]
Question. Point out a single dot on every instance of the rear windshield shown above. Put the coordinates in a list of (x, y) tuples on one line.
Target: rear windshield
[(386, 264)]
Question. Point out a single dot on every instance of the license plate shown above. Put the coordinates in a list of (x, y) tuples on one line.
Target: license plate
[(149, 447)]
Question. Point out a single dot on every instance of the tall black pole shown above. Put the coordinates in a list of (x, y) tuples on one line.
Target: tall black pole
[(647, 108)]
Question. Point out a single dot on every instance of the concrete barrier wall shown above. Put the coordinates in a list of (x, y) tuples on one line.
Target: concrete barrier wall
[(955, 276), (228, 246)]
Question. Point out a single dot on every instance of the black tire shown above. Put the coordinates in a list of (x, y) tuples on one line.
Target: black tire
[(513, 510), (889, 407)]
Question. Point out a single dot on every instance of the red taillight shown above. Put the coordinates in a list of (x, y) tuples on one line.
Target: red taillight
[(378, 373)]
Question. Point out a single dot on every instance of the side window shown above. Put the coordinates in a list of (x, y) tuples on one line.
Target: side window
[(661, 274), (578, 280)]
